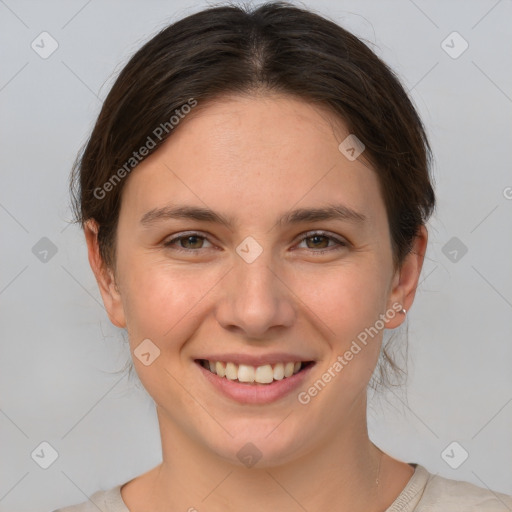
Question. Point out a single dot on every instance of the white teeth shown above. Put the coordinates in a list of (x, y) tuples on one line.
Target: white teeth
[(220, 369), (288, 369), (245, 373), (279, 371), (231, 371), (264, 374)]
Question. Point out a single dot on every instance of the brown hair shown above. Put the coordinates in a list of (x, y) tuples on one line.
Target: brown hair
[(275, 47)]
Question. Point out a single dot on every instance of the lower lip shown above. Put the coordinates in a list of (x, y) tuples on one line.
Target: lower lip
[(256, 393)]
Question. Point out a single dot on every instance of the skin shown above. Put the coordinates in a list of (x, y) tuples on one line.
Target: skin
[(254, 158)]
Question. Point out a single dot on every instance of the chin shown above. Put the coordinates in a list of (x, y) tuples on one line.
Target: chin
[(261, 443)]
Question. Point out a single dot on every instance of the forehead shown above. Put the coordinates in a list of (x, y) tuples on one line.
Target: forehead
[(242, 152)]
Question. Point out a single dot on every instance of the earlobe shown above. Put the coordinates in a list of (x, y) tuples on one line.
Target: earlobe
[(104, 276), (406, 280)]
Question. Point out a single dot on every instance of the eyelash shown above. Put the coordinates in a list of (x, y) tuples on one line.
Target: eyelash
[(310, 234)]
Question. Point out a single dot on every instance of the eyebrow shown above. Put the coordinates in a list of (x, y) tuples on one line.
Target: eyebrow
[(331, 212)]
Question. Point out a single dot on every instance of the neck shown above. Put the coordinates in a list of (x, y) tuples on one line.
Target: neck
[(339, 475)]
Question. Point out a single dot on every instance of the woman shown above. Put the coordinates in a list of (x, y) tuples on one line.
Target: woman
[(254, 198)]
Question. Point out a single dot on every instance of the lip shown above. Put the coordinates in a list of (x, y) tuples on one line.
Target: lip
[(255, 393)]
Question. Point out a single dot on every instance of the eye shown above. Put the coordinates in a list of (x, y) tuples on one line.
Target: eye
[(320, 240), (186, 242)]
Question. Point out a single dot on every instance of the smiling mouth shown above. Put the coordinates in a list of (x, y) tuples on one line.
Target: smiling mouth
[(253, 375)]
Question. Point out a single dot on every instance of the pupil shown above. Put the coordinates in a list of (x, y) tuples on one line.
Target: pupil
[(190, 239), (317, 238)]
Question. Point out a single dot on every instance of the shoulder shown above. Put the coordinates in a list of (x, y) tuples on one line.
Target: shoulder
[(101, 501), (442, 494)]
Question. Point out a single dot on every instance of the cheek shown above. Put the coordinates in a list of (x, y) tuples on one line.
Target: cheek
[(347, 298), (347, 302), (162, 302)]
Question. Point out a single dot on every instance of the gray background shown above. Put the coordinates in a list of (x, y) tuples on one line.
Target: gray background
[(58, 349)]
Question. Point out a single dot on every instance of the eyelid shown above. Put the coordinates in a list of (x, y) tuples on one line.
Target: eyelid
[(321, 232), (184, 234), (339, 241)]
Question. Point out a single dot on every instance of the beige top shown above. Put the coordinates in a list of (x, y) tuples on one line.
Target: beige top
[(425, 492)]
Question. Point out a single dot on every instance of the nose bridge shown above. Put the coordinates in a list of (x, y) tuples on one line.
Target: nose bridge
[(256, 281), (255, 300)]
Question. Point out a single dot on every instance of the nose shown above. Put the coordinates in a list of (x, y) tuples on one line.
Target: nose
[(256, 300)]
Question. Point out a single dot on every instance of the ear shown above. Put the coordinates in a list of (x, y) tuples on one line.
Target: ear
[(405, 280), (104, 276)]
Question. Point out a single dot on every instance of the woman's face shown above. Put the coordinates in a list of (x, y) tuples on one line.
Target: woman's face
[(270, 286)]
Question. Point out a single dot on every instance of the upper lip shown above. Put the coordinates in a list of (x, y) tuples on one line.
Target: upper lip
[(256, 360)]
